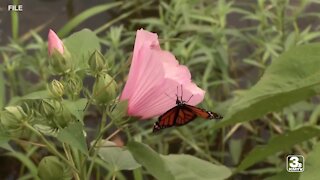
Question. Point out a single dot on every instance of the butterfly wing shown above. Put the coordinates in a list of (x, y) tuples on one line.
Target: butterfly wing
[(203, 113), (181, 115), (167, 119), (177, 116), (185, 115)]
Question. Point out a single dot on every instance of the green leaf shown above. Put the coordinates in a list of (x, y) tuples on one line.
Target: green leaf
[(277, 144), (292, 77), (74, 22), (117, 157), (4, 143), (81, 45), (4, 139), (185, 167), (151, 160), (284, 175), (44, 94), (76, 107), (73, 135), (312, 164), (235, 148)]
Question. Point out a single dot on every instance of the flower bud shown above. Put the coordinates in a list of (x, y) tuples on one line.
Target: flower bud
[(73, 85), (60, 63), (59, 57), (97, 62), (51, 168), (56, 88), (104, 89), (50, 107), (63, 118), (12, 117), (54, 43)]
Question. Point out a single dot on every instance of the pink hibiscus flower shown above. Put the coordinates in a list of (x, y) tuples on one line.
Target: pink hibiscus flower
[(153, 79)]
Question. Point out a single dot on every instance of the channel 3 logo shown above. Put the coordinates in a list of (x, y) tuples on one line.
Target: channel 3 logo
[(295, 163)]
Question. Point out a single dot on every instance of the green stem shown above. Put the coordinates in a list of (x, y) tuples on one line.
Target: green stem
[(13, 83), (15, 22), (79, 161), (69, 157), (137, 174), (102, 129), (50, 147)]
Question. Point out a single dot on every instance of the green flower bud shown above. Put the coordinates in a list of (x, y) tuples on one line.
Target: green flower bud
[(63, 118), (60, 63), (97, 62), (56, 88), (12, 118), (50, 107), (73, 85), (104, 89), (51, 168)]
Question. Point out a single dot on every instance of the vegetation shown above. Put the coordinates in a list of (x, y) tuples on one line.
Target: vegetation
[(258, 62)]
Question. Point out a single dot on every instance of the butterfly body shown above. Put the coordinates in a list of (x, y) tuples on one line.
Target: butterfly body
[(182, 114)]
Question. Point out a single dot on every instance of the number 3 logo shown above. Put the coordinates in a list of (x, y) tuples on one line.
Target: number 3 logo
[(295, 161)]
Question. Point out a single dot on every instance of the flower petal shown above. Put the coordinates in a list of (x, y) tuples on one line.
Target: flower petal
[(155, 80), (54, 43), (144, 39)]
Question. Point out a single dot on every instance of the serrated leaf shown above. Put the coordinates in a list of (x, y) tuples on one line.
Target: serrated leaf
[(277, 144), (73, 135), (292, 77), (118, 158), (151, 160), (186, 167)]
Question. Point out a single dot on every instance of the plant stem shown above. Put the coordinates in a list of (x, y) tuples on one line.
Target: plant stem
[(69, 157), (102, 129), (50, 147)]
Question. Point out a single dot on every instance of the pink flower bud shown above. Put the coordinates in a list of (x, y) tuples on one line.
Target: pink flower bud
[(54, 43)]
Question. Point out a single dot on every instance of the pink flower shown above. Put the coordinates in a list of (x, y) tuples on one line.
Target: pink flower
[(54, 43), (154, 76)]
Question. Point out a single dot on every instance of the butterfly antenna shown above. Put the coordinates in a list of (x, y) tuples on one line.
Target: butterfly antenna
[(190, 98), (177, 93), (181, 93)]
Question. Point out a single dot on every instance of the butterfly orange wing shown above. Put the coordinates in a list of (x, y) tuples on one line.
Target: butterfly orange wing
[(203, 113), (176, 116), (181, 115), (185, 116)]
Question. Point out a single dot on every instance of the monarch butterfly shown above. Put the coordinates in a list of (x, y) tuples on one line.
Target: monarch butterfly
[(182, 114)]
